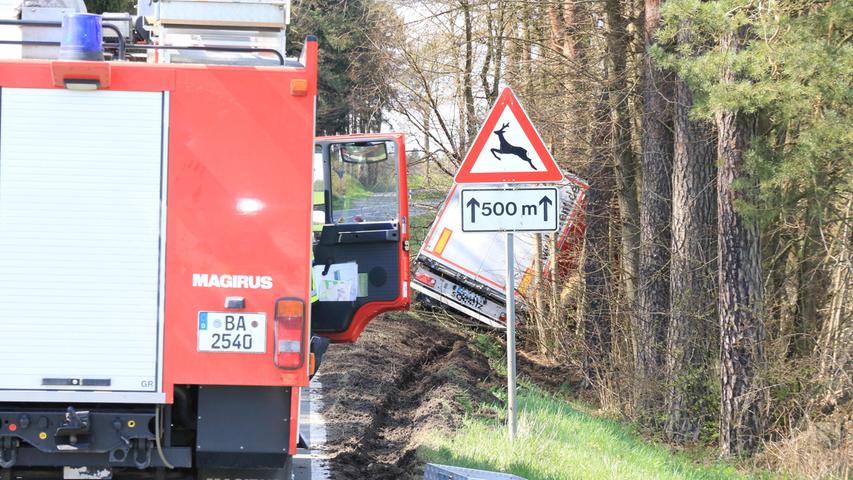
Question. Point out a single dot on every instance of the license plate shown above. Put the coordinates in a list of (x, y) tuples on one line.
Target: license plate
[(232, 332), (467, 297)]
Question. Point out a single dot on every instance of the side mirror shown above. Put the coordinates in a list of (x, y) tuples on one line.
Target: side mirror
[(364, 152)]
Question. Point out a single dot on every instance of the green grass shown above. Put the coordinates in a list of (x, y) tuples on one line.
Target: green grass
[(433, 196), (418, 228), (558, 440), (415, 181), (434, 190), (561, 439), (350, 189)]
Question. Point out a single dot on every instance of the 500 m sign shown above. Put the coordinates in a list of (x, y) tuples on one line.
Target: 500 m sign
[(532, 209)]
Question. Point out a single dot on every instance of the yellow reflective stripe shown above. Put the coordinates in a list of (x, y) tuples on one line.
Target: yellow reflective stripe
[(314, 296), (442, 241), (526, 280), (319, 198)]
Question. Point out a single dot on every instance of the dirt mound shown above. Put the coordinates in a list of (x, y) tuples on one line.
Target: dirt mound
[(402, 379)]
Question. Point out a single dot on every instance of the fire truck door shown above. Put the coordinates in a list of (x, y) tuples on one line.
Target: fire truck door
[(357, 251)]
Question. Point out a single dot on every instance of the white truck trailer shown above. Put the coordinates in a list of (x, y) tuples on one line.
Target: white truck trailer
[(466, 270)]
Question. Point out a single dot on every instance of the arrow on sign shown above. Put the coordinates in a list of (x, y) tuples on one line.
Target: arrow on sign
[(474, 204), (545, 202)]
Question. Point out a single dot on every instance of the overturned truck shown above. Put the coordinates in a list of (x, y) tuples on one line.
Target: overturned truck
[(465, 271)]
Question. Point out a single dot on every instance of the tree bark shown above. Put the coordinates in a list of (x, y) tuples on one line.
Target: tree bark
[(740, 292), (836, 337), (626, 164), (468, 91), (540, 317), (655, 212), (596, 324), (494, 53), (692, 303)]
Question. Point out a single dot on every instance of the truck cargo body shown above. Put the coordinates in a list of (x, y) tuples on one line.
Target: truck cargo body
[(466, 270), (155, 246)]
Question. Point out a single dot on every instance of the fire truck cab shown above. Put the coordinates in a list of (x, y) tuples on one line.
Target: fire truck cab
[(172, 238)]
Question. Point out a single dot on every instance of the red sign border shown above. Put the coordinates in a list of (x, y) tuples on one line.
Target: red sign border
[(551, 173)]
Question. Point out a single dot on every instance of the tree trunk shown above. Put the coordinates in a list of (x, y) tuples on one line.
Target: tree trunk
[(468, 91), (496, 24), (540, 317), (692, 303), (500, 34), (740, 294), (527, 33), (626, 165), (596, 324), (836, 338), (655, 212)]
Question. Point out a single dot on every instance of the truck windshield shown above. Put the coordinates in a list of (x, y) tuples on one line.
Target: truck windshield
[(364, 182)]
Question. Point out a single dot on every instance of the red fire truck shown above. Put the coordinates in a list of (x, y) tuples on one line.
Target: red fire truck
[(160, 278)]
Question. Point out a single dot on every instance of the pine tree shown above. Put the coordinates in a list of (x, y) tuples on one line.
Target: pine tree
[(354, 84), (655, 210)]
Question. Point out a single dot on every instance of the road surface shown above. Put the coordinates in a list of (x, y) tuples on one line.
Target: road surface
[(310, 464)]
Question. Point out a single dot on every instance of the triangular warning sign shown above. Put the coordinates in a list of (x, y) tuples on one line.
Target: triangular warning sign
[(508, 149)]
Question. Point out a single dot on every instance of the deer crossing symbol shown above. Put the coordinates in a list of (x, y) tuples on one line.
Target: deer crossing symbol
[(510, 149)]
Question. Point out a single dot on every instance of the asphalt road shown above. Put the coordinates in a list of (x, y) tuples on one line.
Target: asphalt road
[(310, 464), (378, 207)]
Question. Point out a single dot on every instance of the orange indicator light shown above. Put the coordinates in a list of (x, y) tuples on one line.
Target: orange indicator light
[(289, 308), (299, 87)]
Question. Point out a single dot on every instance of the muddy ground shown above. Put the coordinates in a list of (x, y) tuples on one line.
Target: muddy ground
[(405, 378)]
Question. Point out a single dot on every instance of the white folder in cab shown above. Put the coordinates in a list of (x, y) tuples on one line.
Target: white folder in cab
[(339, 284)]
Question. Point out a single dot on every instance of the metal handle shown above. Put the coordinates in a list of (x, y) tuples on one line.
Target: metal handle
[(37, 23)]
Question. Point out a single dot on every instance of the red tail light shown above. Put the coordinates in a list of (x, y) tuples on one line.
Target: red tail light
[(289, 333), (425, 279)]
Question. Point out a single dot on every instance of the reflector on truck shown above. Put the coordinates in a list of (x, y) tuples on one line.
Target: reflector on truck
[(442, 241), (289, 333)]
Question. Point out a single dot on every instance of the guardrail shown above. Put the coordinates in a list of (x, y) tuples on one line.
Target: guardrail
[(436, 471)]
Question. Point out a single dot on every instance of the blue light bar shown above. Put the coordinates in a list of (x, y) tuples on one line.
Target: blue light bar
[(82, 37)]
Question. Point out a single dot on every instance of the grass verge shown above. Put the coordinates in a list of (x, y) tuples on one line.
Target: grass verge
[(558, 440), (561, 439)]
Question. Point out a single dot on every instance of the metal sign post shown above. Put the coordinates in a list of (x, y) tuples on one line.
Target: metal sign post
[(510, 336), (510, 209), (511, 154)]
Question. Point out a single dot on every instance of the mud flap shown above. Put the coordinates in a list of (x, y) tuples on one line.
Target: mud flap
[(243, 429)]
